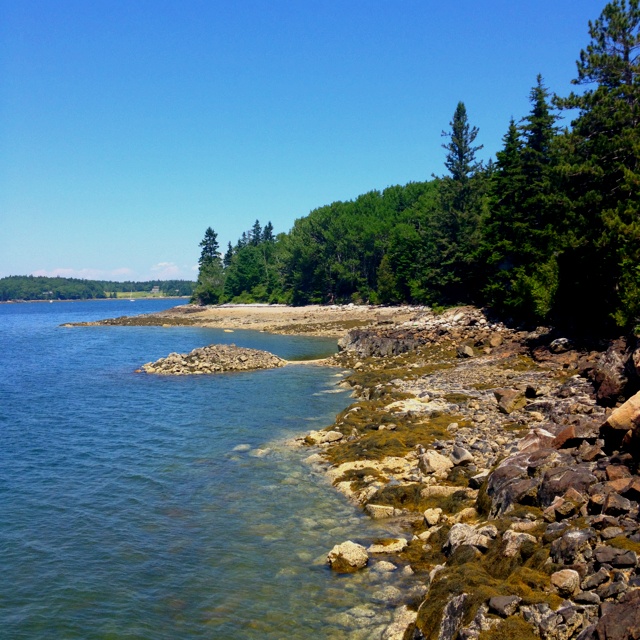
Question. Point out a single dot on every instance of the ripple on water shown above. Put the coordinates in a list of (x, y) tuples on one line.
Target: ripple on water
[(135, 506)]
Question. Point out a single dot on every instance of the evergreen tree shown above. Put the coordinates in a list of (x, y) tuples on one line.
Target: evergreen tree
[(452, 240), (523, 230), (602, 168), (255, 234), (209, 286), (228, 256), (210, 248), (267, 233)]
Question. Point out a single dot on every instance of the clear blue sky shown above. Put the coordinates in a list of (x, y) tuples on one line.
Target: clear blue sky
[(129, 126)]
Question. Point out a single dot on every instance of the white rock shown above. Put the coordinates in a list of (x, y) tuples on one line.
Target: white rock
[(394, 546), (433, 462), (348, 557), (432, 516), (566, 582)]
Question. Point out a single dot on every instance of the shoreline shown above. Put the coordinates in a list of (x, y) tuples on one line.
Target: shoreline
[(458, 431)]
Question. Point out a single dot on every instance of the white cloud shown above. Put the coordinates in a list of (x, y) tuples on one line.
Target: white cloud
[(166, 271)]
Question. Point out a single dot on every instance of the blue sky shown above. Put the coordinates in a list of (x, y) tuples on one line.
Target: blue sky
[(129, 126)]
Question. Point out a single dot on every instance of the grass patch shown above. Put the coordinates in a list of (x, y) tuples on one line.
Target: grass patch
[(621, 542)]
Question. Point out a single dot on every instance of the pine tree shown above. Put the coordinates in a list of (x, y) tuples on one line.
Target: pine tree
[(210, 282), (210, 248), (452, 240), (523, 230), (228, 256), (603, 174)]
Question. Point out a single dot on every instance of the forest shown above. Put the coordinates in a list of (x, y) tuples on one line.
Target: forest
[(43, 288), (548, 231)]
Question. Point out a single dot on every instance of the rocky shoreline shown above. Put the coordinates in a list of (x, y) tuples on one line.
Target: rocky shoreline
[(508, 458), (503, 454)]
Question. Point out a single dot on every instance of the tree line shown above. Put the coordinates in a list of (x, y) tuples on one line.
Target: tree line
[(45, 288), (549, 231)]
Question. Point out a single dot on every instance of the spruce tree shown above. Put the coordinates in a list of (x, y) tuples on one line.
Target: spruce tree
[(210, 282), (451, 243), (602, 168)]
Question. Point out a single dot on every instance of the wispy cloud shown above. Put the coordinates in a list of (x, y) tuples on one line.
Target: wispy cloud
[(166, 271)]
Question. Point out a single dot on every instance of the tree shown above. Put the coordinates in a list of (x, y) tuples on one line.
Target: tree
[(255, 234), (210, 284), (453, 235), (461, 154), (602, 169), (522, 233), (228, 256), (210, 248)]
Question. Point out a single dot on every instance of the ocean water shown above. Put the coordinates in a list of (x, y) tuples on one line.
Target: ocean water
[(135, 506)]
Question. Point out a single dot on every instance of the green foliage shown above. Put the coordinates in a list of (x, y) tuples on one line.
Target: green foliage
[(550, 232), (208, 289), (43, 288)]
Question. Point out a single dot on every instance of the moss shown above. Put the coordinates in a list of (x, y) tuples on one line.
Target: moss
[(484, 576), (510, 629), (357, 477), (621, 542), (483, 501), (375, 444), (456, 398)]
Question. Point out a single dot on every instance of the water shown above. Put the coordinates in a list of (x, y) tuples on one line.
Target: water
[(136, 506)]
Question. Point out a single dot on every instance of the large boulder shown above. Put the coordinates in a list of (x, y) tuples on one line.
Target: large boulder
[(348, 557), (623, 425), (621, 621), (609, 374)]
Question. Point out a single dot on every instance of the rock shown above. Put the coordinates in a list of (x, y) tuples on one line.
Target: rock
[(347, 557), (380, 511), (609, 374), (510, 400), (504, 606), (621, 621), (475, 482), (452, 617), (465, 351), (391, 546), (331, 436), (616, 505), (464, 534), (573, 547), (384, 567), (513, 541), (566, 582), (434, 462), (460, 455), (432, 516), (495, 340), (623, 419), (215, 358), (595, 579), (615, 557), (560, 345), (402, 618)]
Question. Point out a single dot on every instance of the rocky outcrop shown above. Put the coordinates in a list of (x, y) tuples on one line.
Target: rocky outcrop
[(216, 358)]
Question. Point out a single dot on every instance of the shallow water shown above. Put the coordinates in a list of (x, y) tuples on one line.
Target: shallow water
[(136, 506)]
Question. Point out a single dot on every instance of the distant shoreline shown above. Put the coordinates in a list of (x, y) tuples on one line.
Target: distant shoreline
[(96, 299)]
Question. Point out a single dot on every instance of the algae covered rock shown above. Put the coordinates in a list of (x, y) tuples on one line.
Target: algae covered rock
[(348, 557)]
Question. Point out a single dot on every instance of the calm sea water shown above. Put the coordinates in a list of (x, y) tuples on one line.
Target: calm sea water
[(134, 506)]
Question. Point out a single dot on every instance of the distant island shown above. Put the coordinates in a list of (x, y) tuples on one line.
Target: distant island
[(16, 288)]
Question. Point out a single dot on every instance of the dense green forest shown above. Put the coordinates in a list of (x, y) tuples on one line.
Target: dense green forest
[(42, 288), (548, 231)]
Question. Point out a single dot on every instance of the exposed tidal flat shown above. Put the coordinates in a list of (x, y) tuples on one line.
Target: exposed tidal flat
[(136, 506)]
